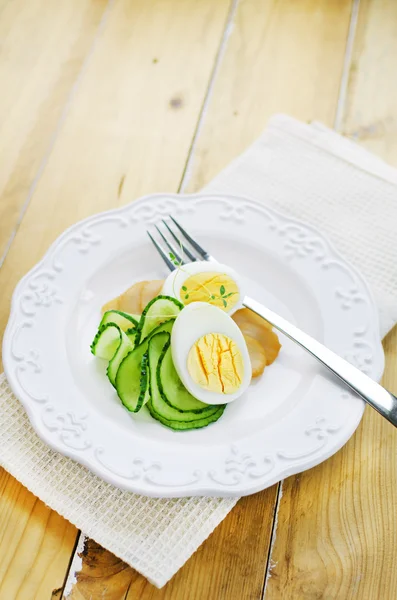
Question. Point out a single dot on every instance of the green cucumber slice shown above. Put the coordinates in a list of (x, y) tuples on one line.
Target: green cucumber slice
[(131, 333), (145, 378), (158, 407), (112, 344), (172, 389), (106, 341), (184, 426), (132, 378), (123, 320), (158, 310), (125, 346)]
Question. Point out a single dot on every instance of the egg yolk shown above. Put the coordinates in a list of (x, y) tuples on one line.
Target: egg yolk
[(218, 289), (216, 364)]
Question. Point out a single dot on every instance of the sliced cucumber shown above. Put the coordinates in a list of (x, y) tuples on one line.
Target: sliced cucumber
[(131, 333), (123, 320), (106, 341), (125, 346), (158, 407), (187, 426), (158, 310), (141, 368), (172, 389), (132, 378), (145, 378)]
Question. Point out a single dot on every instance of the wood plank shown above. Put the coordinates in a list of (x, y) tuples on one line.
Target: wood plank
[(259, 33), (281, 57), (43, 47), (3, 4), (131, 123), (337, 524), (370, 113), (225, 566), (35, 544), (127, 132), (42, 52)]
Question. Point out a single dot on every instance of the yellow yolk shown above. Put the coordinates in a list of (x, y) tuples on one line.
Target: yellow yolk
[(206, 287), (216, 364)]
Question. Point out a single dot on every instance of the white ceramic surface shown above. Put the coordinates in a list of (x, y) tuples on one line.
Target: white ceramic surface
[(292, 418)]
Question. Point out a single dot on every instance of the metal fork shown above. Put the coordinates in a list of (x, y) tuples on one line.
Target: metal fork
[(175, 244)]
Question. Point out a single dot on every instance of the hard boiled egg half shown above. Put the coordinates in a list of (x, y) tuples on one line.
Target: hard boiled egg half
[(210, 282), (210, 354)]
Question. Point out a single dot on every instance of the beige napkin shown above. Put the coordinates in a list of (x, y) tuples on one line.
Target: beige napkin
[(304, 170)]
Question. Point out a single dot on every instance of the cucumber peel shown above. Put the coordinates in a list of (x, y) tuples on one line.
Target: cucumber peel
[(112, 344), (132, 378), (125, 346), (124, 320), (172, 389), (159, 310), (141, 368), (106, 341), (161, 410)]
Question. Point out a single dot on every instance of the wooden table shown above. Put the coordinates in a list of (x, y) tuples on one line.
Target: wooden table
[(103, 101)]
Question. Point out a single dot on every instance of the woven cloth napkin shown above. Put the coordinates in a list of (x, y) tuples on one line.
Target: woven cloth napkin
[(307, 171)]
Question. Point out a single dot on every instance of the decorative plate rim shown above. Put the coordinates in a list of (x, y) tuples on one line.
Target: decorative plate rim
[(245, 473)]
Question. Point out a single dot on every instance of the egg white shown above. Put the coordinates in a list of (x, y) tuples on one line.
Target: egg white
[(175, 280), (194, 321)]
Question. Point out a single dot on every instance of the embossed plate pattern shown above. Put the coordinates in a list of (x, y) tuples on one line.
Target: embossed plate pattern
[(291, 419)]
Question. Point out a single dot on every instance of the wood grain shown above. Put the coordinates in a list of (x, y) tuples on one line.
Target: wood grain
[(35, 544), (127, 132), (230, 564), (248, 47), (266, 69), (43, 47), (337, 527), (281, 57), (370, 113), (129, 126), (337, 524)]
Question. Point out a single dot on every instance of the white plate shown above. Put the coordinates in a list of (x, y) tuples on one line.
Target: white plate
[(291, 419)]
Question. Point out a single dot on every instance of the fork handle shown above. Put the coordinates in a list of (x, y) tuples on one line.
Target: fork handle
[(370, 391)]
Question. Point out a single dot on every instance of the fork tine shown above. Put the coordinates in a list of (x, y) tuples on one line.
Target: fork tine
[(170, 246), (203, 253), (184, 249), (163, 255)]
